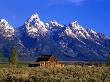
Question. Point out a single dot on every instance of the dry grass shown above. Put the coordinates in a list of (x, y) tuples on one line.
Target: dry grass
[(68, 73)]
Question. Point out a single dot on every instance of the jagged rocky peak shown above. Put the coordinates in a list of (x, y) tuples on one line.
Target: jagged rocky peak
[(33, 19), (75, 24), (34, 26), (91, 31), (36, 16), (3, 21), (78, 30), (6, 29), (54, 23)]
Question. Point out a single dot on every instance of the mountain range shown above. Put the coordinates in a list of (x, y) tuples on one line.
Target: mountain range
[(66, 42)]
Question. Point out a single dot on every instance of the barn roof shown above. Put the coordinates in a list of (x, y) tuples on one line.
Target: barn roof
[(44, 58)]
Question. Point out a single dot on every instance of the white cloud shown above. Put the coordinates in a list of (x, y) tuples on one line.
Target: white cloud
[(73, 2), (77, 2), (80, 2)]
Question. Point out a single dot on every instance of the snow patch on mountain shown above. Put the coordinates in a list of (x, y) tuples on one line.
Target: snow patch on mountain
[(5, 29), (107, 37), (69, 32), (79, 30), (35, 27), (93, 33), (54, 23)]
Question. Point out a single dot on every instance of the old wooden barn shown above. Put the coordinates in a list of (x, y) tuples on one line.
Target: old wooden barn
[(46, 61)]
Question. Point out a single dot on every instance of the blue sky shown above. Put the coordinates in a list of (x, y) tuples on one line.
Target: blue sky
[(93, 14)]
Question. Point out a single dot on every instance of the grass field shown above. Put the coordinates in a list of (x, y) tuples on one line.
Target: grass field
[(69, 73)]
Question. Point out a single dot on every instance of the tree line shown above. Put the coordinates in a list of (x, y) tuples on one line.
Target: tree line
[(13, 57)]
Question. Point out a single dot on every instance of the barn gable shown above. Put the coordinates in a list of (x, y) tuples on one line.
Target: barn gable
[(43, 58)]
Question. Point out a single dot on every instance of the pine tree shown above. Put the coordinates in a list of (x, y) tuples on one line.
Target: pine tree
[(108, 60), (13, 56), (1, 56)]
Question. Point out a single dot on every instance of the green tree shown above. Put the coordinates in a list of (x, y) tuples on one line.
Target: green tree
[(1, 56), (13, 56), (108, 60)]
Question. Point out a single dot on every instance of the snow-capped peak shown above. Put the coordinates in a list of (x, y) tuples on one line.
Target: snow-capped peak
[(92, 31), (79, 30), (75, 24), (54, 23), (5, 29), (34, 26), (4, 21), (35, 16)]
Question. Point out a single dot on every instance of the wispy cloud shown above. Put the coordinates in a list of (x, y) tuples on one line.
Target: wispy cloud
[(77, 2), (80, 2), (73, 2)]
